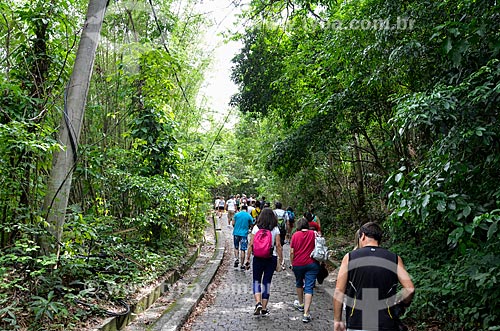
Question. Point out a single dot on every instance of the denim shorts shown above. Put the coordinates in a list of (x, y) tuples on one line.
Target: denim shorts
[(240, 242), (305, 276)]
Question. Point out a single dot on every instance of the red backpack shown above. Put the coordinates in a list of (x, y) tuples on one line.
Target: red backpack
[(263, 244)]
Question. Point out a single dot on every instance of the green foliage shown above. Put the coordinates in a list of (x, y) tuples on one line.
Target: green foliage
[(25, 150), (452, 182), (359, 123), (47, 308), (152, 136), (8, 316), (257, 68), (450, 188), (137, 191), (454, 291), (20, 270)]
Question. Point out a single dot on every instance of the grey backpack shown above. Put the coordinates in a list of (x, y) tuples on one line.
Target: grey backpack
[(320, 252)]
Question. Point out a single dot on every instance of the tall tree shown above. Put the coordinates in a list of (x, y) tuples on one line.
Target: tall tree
[(64, 161)]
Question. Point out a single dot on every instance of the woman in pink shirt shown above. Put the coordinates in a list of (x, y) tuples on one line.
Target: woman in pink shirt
[(304, 266)]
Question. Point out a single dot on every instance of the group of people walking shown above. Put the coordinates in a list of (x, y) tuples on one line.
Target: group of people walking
[(235, 203), (258, 242), (276, 226)]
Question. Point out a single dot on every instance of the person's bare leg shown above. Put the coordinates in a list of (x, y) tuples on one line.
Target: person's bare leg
[(307, 303), (300, 294), (264, 304)]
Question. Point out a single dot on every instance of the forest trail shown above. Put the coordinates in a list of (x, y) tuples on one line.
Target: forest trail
[(229, 303)]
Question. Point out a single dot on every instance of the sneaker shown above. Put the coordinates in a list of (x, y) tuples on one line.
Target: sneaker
[(298, 306), (236, 262), (306, 318), (264, 312), (258, 309), (242, 267)]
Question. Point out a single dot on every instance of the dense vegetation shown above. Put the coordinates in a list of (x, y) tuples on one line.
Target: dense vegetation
[(139, 188), (387, 111), (362, 109)]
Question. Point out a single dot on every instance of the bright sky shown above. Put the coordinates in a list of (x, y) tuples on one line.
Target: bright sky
[(218, 87)]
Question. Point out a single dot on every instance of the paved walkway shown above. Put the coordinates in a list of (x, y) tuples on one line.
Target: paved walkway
[(232, 302)]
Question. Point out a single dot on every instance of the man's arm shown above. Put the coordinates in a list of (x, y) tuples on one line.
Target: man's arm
[(338, 297), (408, 290)]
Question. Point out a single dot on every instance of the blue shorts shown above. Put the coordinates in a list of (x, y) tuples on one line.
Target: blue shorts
[(240, 242), (306, 274)]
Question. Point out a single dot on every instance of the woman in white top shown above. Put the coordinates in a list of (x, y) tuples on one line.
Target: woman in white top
[(263, 268)]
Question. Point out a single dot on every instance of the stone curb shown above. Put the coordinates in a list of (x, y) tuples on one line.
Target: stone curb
[(178, 312), (118, 322)]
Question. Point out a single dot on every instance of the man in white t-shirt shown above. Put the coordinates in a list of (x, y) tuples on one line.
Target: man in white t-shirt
[(231, 209), (281, 215), (220, 207)]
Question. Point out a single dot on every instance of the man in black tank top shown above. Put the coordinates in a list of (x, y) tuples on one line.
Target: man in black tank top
[(368, 279)]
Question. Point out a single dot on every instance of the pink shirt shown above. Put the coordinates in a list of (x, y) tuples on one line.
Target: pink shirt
[(302, 244)]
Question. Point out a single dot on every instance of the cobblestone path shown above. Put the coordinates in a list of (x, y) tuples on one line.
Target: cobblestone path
[(232, 302)]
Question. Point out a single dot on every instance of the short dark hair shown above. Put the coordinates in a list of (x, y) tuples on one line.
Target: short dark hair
[(278, 205), (309, 216), (371, 230), (302, 224)]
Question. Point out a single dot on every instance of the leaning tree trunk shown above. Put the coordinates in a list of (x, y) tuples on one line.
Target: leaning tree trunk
[(360, 182), (59, 185)]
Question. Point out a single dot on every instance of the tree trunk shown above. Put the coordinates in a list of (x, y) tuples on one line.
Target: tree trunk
[(59, 185), (360, 187)]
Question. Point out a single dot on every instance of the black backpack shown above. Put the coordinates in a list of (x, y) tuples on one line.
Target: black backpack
[(282, 226)]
